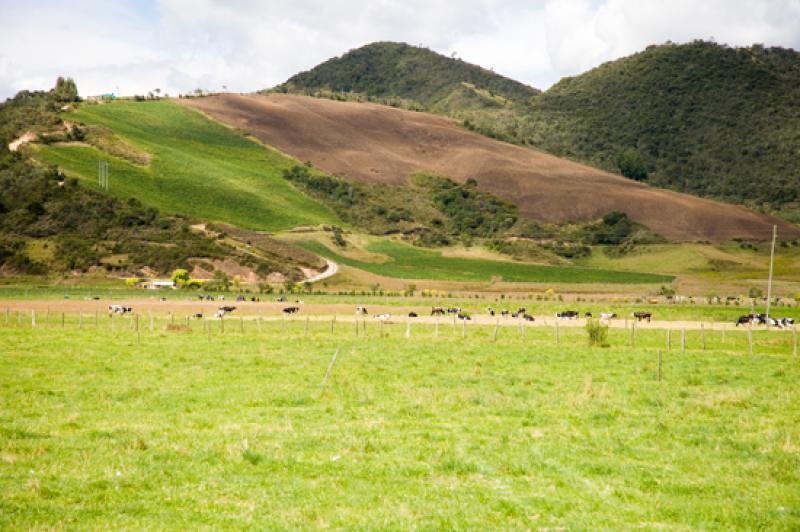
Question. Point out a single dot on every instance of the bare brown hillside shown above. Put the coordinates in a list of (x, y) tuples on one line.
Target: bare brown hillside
[(383, 144)]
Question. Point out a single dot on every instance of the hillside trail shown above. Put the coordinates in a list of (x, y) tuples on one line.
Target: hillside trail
[(331, 270)]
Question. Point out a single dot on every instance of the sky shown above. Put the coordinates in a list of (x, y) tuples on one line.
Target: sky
[(132, 47)]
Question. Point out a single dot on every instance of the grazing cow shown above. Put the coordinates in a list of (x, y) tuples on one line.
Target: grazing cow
[(119, 309), (521, 310), (607, 315), (787, 322), (490, 310), (528, 317), (226, 308), (220, 298), (643, 316), (383, 317), (361, 310), (163, 299), (567, 314), (454, 310), (281, 299), (514, 314), (744, 320), (437, 311), (198, 315), (239, 298), (412, 314), (587, 315), (291, 310), (464, 317), (504, 312)]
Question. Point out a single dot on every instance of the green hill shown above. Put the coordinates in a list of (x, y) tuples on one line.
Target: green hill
[(388, 69), (699, 118), (197, 167)]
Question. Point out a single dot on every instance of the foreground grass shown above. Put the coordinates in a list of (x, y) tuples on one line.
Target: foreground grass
[(408, 262), (99, 430), (198, 167)]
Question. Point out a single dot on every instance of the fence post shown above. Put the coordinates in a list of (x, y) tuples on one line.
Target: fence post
[(258, 323), (463, 328), (436, 328), (222, 323), (408, 327), (703, 335), (659, 365), (80, 320), (333, 322), (633, 328), (683, 340), (151, 322), (794, 341), (241, 324), (669, 339), (62, 319), (496, 326), (750, 339), (356, 327), (33, 318), (557, 333)]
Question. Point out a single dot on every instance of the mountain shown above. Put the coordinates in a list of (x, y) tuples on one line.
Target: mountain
[(388, 69), (700, 118), (372, 143)]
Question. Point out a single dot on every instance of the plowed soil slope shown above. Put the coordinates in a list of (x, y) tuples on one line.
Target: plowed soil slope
[(382, 144)]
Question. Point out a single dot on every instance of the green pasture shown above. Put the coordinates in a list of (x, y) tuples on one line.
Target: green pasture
[(198, 167), (101, 428), (409, 262)]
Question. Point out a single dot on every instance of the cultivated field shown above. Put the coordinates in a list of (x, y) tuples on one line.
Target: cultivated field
[(197, 167), (383, 144), (104, 427)]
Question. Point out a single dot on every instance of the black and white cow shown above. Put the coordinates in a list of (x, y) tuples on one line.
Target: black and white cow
[(291, 310), (568, 314), (119, 309), (361, 310)]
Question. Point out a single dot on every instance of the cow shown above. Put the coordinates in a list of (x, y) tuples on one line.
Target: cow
[(514, 314), (490, 310), (463, 316), (639, 315), (744, 320), (607, 315), (521, 310), (567, 314), (239, 298), (787, 322), (587, 315), (454, 310), (412, 314), (118, 309), (281, 299), (528, 317), (198, 315), (437, 311), (291, 310), (383, 317), (504, 312), (361, 310), (227, 308)]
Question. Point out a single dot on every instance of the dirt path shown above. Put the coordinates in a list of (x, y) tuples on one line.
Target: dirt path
[(330, 271), (52, 309)]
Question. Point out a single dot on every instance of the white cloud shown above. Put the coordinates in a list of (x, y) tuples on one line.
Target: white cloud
[(178, 45)]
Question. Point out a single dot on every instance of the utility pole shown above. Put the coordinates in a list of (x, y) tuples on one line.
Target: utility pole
[(771, 265)]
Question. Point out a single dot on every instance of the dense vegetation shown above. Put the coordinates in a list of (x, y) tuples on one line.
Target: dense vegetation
[(388, 69), (432, 211), (699, 118), (50, 223)]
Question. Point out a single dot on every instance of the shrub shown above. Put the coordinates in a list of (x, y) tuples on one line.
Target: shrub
[(598, 333)]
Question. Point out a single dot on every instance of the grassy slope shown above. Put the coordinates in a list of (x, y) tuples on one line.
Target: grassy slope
[(199, 167), (414, 263), (233, 431)]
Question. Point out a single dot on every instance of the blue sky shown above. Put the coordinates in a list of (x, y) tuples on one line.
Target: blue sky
[(246, 45)]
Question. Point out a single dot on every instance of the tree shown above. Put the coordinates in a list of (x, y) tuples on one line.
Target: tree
[(180, 277), (755, 292), (630, 165), (66, 90)]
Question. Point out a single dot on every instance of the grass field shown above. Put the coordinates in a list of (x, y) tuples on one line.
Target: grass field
[(232, 430), (408, 262), (198, 167)]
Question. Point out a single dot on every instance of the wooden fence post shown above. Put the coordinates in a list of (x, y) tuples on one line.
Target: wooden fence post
[(333, 322), (557, 333), (408, 327), (669, 339), (241, 324), (151, 322), (222, 323), (356, 327), (683, 340), (496, 326), (659, 365), (703, 335), (33, 318)]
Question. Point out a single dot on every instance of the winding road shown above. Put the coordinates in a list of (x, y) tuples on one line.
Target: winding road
[(330, 271)]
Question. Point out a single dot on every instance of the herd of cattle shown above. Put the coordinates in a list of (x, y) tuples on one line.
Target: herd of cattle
[(748, 319)]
